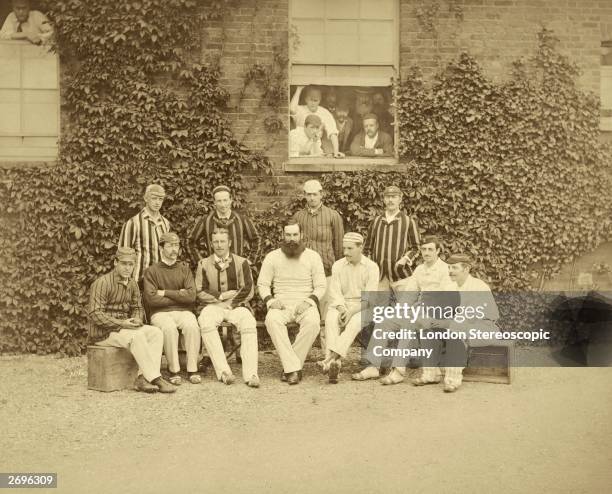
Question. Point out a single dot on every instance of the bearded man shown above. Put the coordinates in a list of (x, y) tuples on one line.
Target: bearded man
[(291, 282)]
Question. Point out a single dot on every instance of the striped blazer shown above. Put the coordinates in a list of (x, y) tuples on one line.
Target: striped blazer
[(142, 233), (323, 232), (241, 231), (387, 242), (211, 280)]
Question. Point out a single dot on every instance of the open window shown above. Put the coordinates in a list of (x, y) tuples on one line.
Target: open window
[(344, 53), (29, 100)]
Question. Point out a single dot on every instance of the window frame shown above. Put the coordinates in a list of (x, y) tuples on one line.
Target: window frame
[(42, 160), (349, 163), (605, 122)]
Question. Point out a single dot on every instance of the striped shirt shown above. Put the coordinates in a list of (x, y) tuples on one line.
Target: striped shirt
[(323, 232), (110, 301), (142, 233), (388, 241), (211, 280), (241, 230)]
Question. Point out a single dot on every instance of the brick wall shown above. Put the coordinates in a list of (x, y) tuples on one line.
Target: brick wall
[(432, 32)]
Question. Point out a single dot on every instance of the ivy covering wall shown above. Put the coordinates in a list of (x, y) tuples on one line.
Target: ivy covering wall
[(512, 172)]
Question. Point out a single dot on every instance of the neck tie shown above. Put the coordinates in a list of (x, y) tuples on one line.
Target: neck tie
[(19, 29)]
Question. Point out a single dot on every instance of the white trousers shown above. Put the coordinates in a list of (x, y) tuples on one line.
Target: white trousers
[(171, 323), (144, 343), (293, 356), (323, 306), (341, 342), (210, 319)]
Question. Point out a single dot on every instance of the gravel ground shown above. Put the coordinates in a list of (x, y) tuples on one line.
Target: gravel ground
[(548, 432)]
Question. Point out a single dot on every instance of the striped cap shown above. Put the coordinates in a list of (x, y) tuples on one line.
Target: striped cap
[(353, 237), (221, 188)]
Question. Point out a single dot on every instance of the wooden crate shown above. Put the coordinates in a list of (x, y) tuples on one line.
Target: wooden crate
[(491, 364), (110, 369)]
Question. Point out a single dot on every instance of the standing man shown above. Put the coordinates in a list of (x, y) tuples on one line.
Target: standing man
[(291, 283), (224, 285), (393, 240), (322, 229), (169, 292), (143, 231), (351, 276), (116, 319), (241, 229)]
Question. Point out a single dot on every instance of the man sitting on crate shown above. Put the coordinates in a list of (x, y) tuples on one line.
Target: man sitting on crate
[(116, 315), (224, 284)]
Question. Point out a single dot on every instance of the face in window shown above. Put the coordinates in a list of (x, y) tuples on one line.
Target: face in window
[(370, 127), (313, 132), (223, 202), (341, 115), (21, 8), (363, 104), (330, 100), (379, 101), (313, 99)]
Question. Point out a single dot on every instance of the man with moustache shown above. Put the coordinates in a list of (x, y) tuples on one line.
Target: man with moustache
[(170, 293), (26, 24), (344, 123), (393, 240), (225, 286), (428, 282), (351, 276), (291, 283), (142, 232), (240, 227), (116, 320), (372, 142)]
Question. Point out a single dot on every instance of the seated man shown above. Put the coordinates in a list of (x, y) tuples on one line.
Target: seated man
[(26, 24), (116, 315), (350, 276), (473, 293), (169, 292), (306, 141), (224, 285), (291, 282), (430, 276), (372, 142)]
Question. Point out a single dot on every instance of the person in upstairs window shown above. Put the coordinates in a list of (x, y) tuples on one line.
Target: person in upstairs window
[(26, 24)]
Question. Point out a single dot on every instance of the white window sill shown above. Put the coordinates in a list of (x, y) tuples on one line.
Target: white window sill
[(341, 164)]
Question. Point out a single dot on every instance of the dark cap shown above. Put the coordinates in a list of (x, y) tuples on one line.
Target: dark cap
[(459, 258), (392, 190), (169, 237), (125, 254)]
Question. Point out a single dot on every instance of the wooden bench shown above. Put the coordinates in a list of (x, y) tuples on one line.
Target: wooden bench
[(110, 368)]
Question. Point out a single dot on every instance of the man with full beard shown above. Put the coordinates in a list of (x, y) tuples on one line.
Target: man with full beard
[(291, 282)]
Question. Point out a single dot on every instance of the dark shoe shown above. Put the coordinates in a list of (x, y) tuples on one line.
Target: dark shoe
[(300, 375), (164, 386), (293, 378), (283, 377), (141, 384), (334, 370)]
